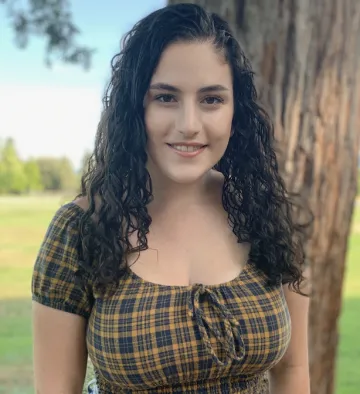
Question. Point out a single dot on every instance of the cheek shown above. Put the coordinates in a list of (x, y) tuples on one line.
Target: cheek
[(220, 127), (156, 130), (156, 121)]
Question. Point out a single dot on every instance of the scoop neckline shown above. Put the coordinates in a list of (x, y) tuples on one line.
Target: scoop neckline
[(148, 283), (228, 283)]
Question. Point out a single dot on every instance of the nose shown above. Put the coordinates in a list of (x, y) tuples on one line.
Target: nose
[(188, 121)]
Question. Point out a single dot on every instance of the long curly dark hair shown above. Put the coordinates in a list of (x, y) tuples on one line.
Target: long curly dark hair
[(118, 185)]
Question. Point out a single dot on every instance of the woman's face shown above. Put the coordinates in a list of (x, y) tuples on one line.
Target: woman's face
[(188, 112)]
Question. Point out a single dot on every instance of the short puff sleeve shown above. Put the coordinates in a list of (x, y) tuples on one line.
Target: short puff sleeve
[(53, 281)]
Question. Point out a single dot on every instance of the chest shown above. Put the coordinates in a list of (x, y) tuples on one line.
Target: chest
[(148, 335), (191, 248)]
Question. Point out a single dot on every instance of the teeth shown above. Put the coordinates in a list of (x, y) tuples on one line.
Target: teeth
[(184, 148)]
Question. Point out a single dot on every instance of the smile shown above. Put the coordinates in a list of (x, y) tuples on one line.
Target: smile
[(187, 150)]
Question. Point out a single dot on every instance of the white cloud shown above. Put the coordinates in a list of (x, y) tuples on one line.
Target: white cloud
[(50, 120)]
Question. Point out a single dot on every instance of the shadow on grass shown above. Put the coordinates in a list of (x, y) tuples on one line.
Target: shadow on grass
[(16, 372), (16, 375), (348, 360)]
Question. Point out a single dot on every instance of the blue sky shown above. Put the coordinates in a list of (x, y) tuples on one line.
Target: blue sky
[(55, 111)]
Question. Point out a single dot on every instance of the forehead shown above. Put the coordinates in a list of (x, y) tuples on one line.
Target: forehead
[(192, 65)]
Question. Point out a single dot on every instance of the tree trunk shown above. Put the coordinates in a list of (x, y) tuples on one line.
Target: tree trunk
[(306, 57)]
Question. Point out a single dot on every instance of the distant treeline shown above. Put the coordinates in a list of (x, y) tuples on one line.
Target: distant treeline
[(35, 175), (43, 173)]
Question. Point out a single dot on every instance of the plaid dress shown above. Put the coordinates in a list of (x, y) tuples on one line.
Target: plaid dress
[(154, 338)]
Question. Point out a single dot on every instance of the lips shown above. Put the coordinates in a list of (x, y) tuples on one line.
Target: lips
[(187, 147), (187, 150)]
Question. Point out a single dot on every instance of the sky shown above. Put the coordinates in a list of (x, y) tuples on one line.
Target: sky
[(55, 112)]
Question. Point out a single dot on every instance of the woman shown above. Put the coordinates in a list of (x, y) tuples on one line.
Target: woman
[(177, 269)]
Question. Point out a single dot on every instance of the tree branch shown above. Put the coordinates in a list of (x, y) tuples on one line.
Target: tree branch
[(52, 20)]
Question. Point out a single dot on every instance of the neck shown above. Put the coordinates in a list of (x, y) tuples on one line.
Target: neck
[(172, 195)]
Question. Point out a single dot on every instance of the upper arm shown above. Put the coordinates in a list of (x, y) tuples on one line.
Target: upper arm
[(61, 308), (298, 305), (59, 351), (291, 374)]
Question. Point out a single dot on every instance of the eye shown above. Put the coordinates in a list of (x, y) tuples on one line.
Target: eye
[(165, 98), (213, 100)]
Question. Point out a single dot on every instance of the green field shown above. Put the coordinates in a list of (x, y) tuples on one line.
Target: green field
[(23, 222)]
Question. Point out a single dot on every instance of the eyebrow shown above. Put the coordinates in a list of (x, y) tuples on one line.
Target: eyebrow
[(171, 88)]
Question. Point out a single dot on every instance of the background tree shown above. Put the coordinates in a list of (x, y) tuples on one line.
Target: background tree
[(69, 179), (33, 176), (12, 175), (85, 162), (306, 56), (20, 177), (52, 20), (57, 174)]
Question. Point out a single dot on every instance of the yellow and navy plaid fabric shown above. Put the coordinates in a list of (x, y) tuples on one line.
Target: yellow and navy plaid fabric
[(154, 338)]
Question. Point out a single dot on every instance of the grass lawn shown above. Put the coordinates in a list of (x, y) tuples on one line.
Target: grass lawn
[(348, 376), (23, 221)]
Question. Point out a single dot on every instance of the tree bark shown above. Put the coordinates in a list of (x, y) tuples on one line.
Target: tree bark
[(306, 57)]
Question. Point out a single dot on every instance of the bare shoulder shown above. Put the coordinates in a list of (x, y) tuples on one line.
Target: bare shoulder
[(82, 202)]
